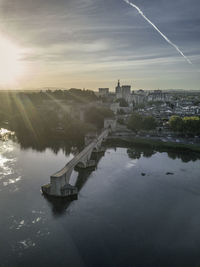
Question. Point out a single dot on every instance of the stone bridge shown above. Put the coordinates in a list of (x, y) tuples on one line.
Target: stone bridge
[(59, 182)]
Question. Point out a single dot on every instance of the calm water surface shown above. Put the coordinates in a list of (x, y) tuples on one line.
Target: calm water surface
[(129, 211)]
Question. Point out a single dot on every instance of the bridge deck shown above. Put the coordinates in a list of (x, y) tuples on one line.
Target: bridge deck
[(72, 163)]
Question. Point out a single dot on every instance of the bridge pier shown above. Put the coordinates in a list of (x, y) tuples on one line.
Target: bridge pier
[(99, 150), (89, 164), (59, 186)]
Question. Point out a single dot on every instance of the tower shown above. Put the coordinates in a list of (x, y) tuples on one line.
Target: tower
[(118, 90), (126, 93)]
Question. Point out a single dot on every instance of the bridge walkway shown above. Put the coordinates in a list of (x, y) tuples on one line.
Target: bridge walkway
[(72, 163)]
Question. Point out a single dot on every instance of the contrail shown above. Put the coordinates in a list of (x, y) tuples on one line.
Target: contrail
[(156, 28)]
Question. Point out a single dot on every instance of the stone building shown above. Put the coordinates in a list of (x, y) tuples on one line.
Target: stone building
[(157, 95), (139, 97), (126, 92), (110, 123), (118, 90)]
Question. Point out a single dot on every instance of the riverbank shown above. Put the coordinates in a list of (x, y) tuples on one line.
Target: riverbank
[(152, 143)]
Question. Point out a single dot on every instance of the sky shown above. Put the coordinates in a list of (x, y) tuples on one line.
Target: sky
[(92, 43)]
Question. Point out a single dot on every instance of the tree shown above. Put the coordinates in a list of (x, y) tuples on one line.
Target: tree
[(149, 123), (176, 123), (189, 125), (139, 122), (96, 116), (135, 122)]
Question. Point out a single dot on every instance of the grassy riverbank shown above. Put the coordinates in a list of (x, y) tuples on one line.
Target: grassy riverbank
[(154, 144)]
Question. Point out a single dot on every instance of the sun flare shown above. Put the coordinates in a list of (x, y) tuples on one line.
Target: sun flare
[(11, 66)]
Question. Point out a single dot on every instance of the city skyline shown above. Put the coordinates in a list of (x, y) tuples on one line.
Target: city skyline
[(90, 44)]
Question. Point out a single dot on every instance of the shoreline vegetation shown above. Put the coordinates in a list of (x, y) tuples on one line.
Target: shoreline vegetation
[(50, 119), (153, 144), (140, 141)]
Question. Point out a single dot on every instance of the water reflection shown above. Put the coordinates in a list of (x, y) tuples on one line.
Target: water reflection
[(19, 223), (9, 176), (54, 143), (58, 205), (72, 147), (5, 169), (5, 134), (185, 156), (12, 181), (20, 246), (136, 153)]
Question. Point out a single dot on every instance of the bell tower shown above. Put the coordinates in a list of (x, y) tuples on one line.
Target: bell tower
[(118, 90)]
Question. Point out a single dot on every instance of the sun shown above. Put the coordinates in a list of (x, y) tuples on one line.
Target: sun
[(11, 65)]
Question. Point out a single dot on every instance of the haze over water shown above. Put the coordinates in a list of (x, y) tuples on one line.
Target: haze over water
[(121, 218)]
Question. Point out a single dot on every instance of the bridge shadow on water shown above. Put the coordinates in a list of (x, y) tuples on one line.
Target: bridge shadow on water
[(60, 206)]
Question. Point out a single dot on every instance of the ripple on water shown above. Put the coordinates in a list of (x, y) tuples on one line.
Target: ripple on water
[(12, 181), (6, 165), (22, 245), (8, 174)]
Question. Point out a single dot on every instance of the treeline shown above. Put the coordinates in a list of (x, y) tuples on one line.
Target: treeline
[(8, 100), (46, 125), (41, 129), (76, 95), (139, 122), (189, 125), (12, 102)]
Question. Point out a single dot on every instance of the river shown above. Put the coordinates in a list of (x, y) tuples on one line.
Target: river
[(138, 208)]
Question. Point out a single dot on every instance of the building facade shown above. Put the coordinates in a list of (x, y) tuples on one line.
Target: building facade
[(118, 90), (126, 93)]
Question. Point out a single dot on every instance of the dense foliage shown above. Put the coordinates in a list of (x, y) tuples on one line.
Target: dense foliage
[(139, 122), (96, 116), (185, 125), (7, 98), (41, 119)]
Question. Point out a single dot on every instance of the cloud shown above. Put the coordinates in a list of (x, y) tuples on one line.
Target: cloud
[(64, 52), (102, 36)]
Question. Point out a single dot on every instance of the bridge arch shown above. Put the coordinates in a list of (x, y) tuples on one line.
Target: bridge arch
[(81, 164)]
